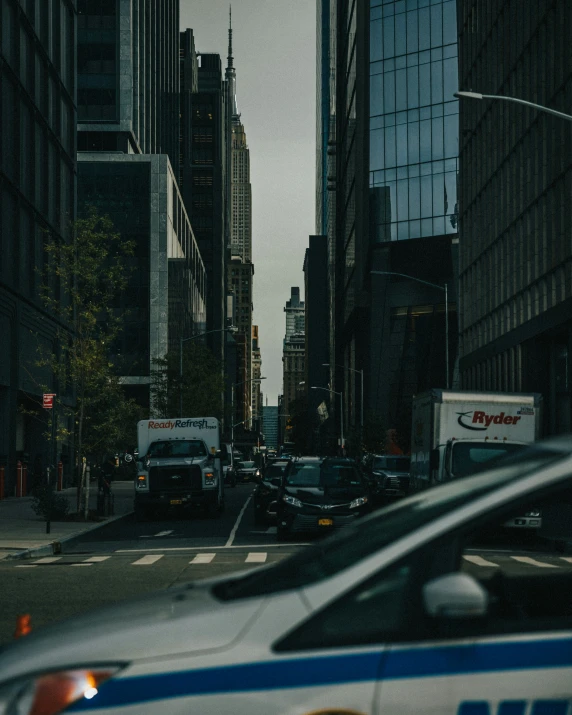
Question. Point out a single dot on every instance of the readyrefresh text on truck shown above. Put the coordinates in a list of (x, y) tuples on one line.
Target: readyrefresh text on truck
[(178, 465), (455, 433)]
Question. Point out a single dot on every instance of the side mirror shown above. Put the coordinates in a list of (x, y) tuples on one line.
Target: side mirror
[(434, 459), (456, 595)]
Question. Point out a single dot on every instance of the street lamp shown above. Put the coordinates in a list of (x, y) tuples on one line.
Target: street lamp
[(341, 394), (540, 107), (433, 285), (232, 329), (360, 372)]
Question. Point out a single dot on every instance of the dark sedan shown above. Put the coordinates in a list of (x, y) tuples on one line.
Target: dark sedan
[(266, 493), (320, 496), (388, 476), (247, 472)]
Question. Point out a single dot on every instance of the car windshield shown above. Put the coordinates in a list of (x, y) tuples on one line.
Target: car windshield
[(393, 464), (178, 448), (385, 526), (246, 465), (323, 475), (470, 458)]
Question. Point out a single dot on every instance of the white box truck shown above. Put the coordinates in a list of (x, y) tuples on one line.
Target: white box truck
[(456, 433), (179, 465)]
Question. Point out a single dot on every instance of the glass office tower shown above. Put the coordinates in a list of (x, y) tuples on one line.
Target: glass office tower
[(414, 122)]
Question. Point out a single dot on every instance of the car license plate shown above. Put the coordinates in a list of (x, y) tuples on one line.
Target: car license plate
[(176, 501), (325, 522)]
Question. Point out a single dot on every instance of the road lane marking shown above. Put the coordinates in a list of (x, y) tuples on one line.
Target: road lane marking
[(48, 560), (25, 566), (479, 561), (533, 562), (256, 558), (201, 548), (237, 522), (202, 559), (82, 564), (567, 558), (147, 560), (164, 533), (96, 559)]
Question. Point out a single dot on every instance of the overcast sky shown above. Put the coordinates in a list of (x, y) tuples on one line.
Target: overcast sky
[(274, 50)]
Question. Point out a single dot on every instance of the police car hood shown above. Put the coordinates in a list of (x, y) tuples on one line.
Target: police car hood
[(182, 620)]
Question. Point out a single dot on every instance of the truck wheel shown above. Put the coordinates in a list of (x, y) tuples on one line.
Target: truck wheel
[(141, 514), (259, 517)]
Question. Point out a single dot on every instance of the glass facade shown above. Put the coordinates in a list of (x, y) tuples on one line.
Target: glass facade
[(414, 135)]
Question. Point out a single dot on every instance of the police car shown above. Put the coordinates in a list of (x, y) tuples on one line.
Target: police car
[(389, 616)]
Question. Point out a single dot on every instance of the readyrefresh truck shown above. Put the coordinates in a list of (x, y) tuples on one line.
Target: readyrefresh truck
[(179, 465), (456, 433)]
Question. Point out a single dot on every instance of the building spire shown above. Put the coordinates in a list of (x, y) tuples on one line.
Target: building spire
[(230, 70)]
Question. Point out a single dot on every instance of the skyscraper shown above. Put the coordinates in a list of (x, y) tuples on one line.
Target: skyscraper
[(37, 198), (128, 165), (293, 356)]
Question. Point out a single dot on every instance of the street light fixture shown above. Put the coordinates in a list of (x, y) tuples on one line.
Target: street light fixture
[(232, 329), (433, 285), (360, 372), (341, 395), (540, 107)]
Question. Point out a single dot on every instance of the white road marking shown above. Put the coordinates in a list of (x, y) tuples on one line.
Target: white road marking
[(48, 560), (147, 560), (96, 559), (479, 561), (201, 548), (533, 562), (203, 559), (256, 558), (82, 564), (164, 533), (237, 522), (567, 558), (25, 566)]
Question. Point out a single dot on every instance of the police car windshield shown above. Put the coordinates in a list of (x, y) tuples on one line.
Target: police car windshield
[(329, 557), (178, 448)]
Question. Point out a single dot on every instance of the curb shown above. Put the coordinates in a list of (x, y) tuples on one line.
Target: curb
[(55, 547)]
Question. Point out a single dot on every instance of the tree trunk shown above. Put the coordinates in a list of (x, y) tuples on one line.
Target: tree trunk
[(80, 465), (85, 482)]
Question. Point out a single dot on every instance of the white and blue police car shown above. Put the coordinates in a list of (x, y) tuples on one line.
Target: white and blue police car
[(396, 615)]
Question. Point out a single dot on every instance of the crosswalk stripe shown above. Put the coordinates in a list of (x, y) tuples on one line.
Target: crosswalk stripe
[(567, 558), (479, 561), (48, 560), (147, 560), (202, 559), (96, 559), (25, 566), (256, 558), (82, 564), (533, 562), (164, 533)]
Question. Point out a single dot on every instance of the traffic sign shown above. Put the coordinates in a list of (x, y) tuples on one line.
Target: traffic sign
[(48, 402)]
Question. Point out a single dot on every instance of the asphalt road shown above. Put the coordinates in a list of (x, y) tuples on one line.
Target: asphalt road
[(125, 559)]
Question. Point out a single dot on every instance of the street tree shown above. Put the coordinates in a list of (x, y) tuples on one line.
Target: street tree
[(201, 384), (82, 282)]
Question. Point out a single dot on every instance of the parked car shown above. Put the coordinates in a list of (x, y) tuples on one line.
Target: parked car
[(247, 472), (321, 495), (388, 476), (266, 493)]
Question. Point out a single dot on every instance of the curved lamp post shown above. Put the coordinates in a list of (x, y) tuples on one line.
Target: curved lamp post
[(540, 107), (439, 287), (341, 395), (359, 372)]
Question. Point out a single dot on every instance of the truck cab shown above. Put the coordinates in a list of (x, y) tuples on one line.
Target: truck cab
[(178, 466), (463, 457)]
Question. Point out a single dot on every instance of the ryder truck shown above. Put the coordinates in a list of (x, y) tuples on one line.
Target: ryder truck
[(178, 465), (456, 433)]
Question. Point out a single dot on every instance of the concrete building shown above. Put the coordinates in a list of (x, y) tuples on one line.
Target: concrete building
[(387, 150), (240, 286), (256, 389), (37, 197), (128, 163), (293, 356), (515, 187)]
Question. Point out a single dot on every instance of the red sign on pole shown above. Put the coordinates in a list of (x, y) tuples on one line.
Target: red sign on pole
[(48, 402)]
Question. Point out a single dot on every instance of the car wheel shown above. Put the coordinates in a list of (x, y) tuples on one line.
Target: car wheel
[(141, 514), (258, 516), (281, 533)]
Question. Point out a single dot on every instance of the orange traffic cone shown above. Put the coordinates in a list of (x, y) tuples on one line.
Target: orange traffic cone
[(23, 626)]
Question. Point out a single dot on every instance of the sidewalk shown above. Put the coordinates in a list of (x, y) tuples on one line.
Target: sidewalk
[(23, 533)]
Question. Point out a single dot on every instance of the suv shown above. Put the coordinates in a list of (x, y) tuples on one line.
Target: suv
[(320, 495), (388, 476), (266, 493)]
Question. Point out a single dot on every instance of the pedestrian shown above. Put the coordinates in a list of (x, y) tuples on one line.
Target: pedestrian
[(106, 475)]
